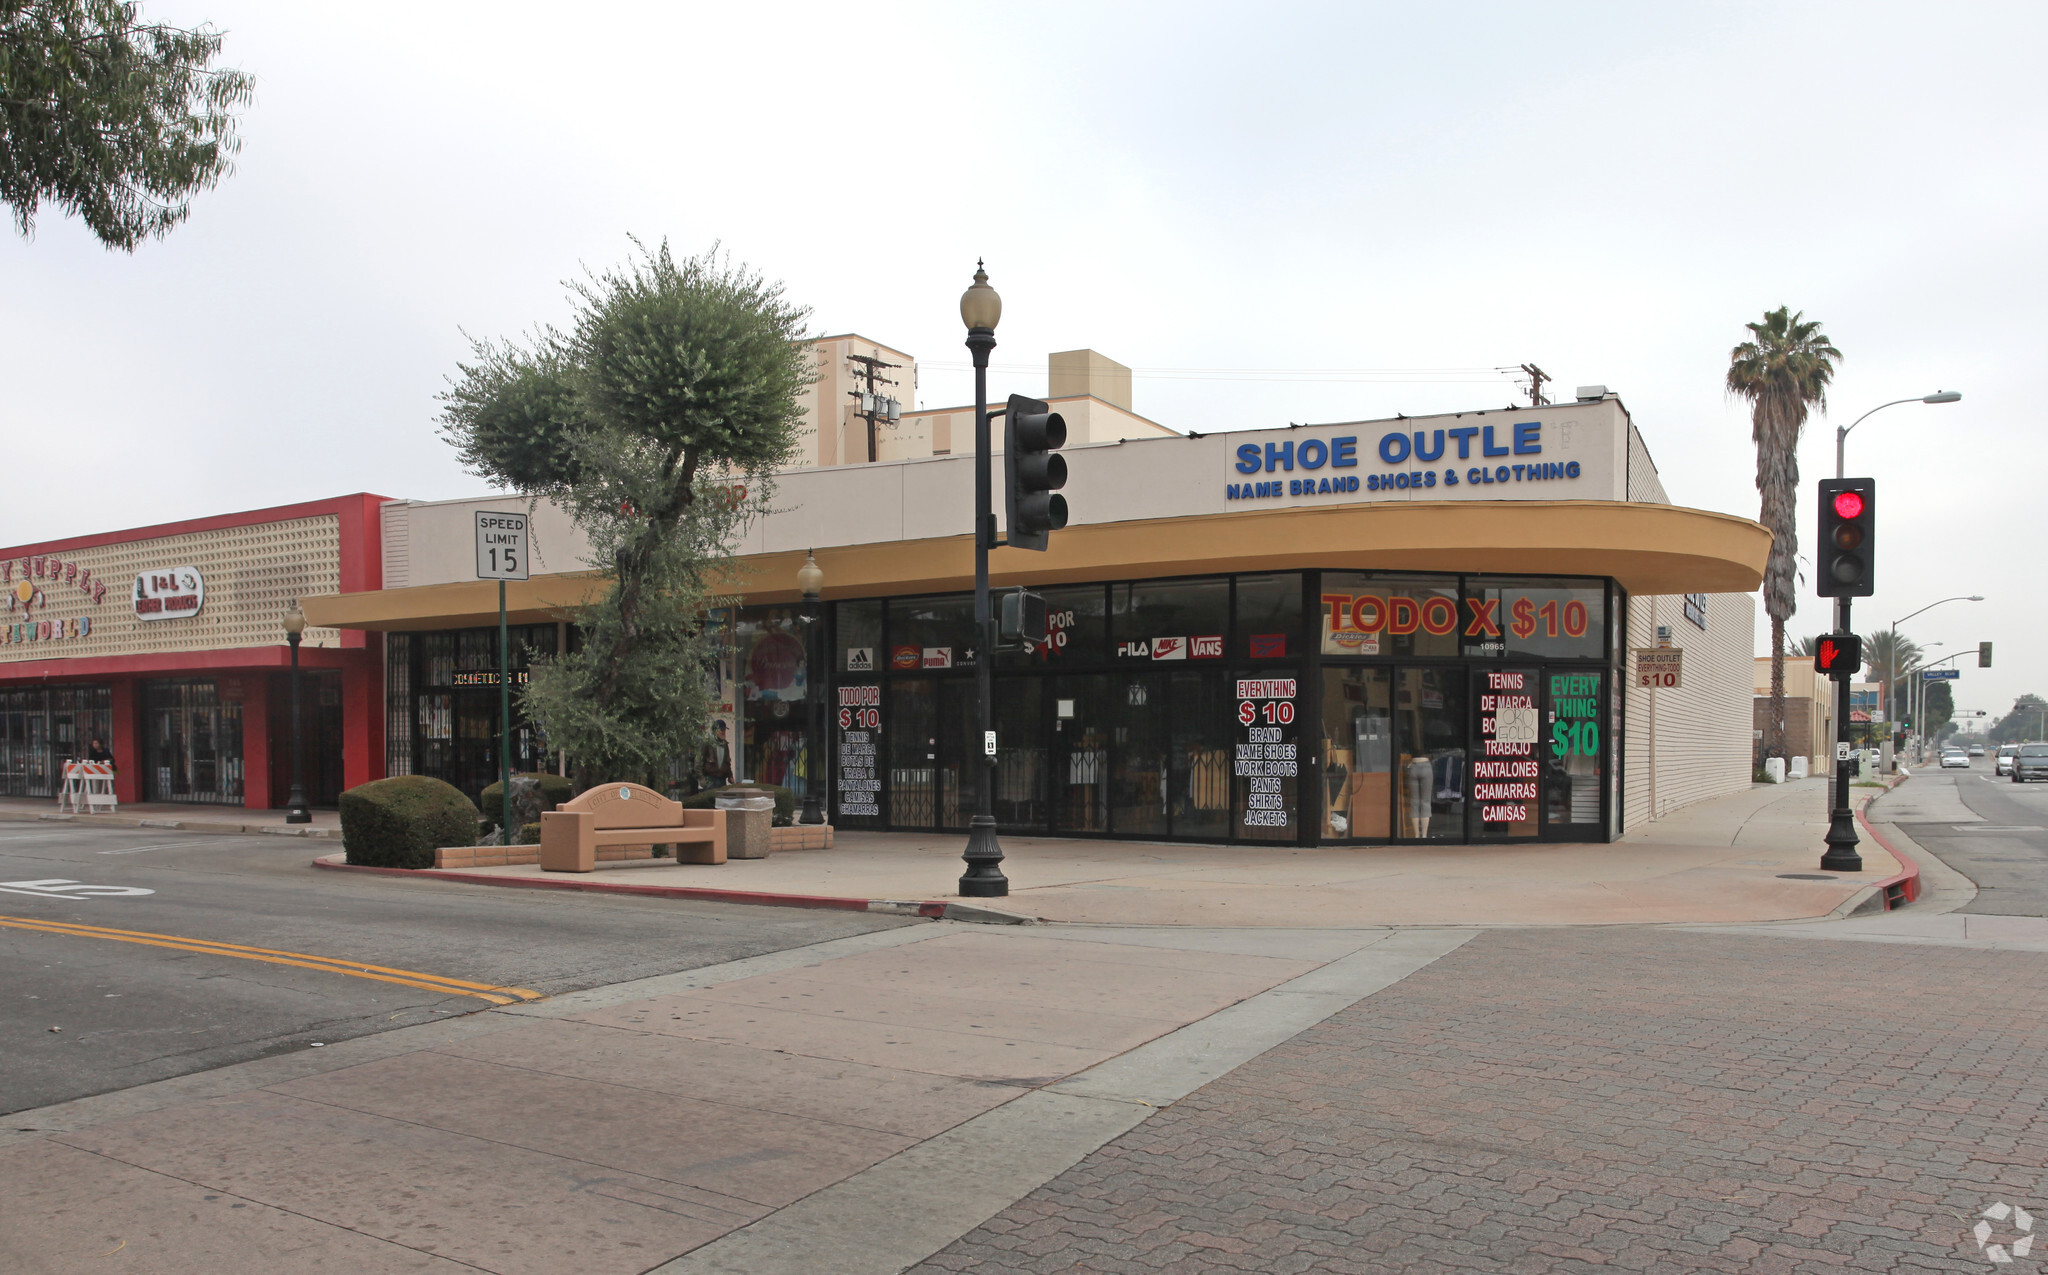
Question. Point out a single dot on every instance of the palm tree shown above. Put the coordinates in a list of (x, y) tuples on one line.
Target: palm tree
[(1783, 370)]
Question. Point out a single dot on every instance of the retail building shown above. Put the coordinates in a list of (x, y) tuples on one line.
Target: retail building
[(1397, 630), (167, 644)]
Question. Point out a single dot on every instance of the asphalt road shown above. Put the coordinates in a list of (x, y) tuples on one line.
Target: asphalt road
[(101, 990), (1997, 837)]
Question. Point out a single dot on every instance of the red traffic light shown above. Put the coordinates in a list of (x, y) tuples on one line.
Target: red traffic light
[(1848, 504)]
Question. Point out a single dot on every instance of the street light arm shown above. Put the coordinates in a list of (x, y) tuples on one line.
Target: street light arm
[(1960, 597), (1842, 431)]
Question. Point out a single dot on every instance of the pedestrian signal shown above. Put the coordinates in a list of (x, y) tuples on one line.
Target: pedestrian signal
[(1838, 655)]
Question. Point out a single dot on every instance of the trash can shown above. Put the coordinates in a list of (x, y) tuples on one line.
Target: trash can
[(749, 812)]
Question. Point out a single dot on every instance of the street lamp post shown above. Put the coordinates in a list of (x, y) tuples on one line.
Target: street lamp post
[(1973, 597), (295, 808), (1842, 431), (811, 581), (1899, 693), (981, 309)]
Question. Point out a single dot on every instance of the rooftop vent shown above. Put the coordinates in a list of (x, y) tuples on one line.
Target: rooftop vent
[(1592, 391)]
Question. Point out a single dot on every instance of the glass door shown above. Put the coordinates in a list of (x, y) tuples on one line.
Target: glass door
[(1139, 787), (913, 742), (1358, 754), (1020, 754), (1430, 726), (1506, 730), (1573, 751), (1078, 752)]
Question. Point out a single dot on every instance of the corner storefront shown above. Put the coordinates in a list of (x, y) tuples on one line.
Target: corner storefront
[(166, 644), (1398, 631)]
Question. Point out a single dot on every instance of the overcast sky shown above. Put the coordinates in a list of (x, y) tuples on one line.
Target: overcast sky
[(1609, 191)]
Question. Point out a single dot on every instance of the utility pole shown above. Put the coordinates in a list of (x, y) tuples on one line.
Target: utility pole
[(874, 407), (1537, 376)]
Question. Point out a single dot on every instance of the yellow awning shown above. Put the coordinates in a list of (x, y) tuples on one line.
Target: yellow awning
[(1649, 549)]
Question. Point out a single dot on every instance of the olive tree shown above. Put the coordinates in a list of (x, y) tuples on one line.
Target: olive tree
[(657, 419)]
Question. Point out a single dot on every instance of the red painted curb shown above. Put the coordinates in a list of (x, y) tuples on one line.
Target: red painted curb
[(821, 901), (1909, 880)]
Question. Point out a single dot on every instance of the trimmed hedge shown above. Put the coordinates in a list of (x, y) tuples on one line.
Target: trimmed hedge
[(554, 790), (785, 801), (400, 822)]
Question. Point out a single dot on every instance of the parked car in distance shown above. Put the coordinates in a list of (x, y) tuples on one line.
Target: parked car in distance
[(1952, 758), (2003, 763), (2030, 763), (1976, 750)]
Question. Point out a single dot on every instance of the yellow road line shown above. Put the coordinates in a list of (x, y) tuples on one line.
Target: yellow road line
[(334, 965), (103, 931)]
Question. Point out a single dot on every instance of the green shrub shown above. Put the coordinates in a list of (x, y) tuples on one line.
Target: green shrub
[(400, 822), (554, 790), (785, 801)]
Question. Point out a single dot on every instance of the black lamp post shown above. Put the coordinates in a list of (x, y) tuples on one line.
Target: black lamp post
[(295, 808), (980, 310), (811, 581)]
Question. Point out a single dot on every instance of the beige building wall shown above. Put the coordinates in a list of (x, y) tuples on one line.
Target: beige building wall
[(1091, 390), (832, 432), (250, 574), (1691, 743)]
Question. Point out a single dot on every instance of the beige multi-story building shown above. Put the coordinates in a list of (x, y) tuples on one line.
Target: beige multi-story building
[(863, 406)]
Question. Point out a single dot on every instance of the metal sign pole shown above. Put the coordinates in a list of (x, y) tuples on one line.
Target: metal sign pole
[(501, 555), (505, 714)]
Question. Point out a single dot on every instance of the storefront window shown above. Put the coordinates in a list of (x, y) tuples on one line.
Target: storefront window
[(1083, 718), (1267, 762), (931, 633), (1534, 618), (859, 637), (1139, 787), (1203, 735), (1389, 615), (1574, 747), (1429, 735), (1076, 627), (1268, 617), (1020, 753), (1170, 619), (195, 743), (43, 728), (1503, 763), (775, 681), (1358, 753)]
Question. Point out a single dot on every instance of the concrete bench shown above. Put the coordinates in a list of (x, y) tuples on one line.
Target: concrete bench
[(618, 825)]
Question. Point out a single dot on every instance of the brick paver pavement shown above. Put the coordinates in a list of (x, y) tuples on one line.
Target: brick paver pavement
[(1592, 1100)]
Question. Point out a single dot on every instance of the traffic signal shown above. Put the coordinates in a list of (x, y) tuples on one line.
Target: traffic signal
[(1033, 474), (1983, 655), (1848, 537), (1021, 624), (1838, 655)]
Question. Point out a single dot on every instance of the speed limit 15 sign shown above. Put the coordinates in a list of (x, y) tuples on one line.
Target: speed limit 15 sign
[(500, 546)]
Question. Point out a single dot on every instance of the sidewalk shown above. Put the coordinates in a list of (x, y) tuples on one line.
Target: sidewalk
[(1720, 861), (188, 818), (848, 1107)]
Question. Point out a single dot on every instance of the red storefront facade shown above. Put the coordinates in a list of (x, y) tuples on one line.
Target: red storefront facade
[(169, 639)]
